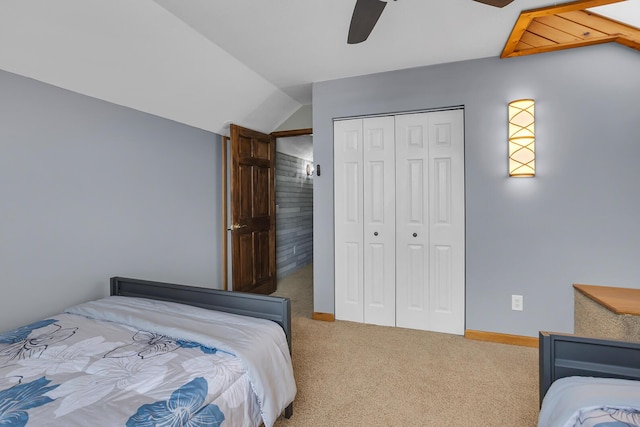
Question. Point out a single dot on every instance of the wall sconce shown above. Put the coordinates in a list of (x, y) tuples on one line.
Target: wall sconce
[(522, 154)]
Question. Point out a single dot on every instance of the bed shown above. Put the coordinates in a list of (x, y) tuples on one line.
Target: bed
[(588, 381), (152, 353)]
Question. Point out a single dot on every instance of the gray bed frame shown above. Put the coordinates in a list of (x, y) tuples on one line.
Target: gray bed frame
[(565, 355), (276, 309)]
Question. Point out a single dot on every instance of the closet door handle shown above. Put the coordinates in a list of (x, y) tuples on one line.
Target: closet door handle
[(375, 233), (415, 234)]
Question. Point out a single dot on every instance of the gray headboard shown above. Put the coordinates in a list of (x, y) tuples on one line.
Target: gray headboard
[(564, 355)]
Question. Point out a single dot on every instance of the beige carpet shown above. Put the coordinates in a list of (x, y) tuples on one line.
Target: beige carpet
[(351, 374)]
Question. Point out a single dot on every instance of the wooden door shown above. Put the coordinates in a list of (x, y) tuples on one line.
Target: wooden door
[(253, 221)]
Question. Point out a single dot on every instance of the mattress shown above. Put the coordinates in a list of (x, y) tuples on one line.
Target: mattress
[(135, 362)]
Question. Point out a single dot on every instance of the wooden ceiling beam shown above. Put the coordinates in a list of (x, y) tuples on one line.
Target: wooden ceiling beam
[(570, 27), (567, 26), (552, 48), (604, 24), (551, 33)]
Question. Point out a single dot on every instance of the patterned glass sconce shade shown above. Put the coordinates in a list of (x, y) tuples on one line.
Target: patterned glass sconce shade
[(522, 154)]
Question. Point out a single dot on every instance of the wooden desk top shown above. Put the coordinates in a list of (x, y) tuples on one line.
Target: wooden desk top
[(618, 300)]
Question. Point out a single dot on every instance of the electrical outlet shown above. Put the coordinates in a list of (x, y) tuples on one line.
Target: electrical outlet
[(517, 302)]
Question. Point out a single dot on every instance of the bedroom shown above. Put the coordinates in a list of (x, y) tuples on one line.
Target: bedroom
[(135, 203)]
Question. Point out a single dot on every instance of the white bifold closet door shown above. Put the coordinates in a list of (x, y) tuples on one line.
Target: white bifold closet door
[(430, 261), (399, 220), (364, 202)]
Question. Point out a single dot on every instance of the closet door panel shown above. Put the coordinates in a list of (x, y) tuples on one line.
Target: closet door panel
[(379, 221), (348, 201), (412, 221), (415, 278), (446, 222)]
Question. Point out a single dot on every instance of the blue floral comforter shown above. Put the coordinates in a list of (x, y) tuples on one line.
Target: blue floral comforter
[(591, 402), (134, 362)]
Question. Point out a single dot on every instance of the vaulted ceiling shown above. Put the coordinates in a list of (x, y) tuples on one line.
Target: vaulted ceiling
[(252, 62)]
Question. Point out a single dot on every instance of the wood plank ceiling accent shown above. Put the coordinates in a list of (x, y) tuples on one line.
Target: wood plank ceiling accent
[(566, 26)]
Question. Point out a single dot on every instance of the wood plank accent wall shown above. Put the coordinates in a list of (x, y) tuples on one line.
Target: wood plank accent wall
[(294, 214)]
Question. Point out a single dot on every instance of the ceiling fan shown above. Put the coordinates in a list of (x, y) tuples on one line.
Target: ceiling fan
[(367, 12)]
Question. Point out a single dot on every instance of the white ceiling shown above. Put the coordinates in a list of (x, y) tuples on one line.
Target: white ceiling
[(626, 11), (295, 42), (252, 62)]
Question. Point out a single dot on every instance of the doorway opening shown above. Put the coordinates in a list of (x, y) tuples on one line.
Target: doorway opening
[(295, 172), (294, 203)]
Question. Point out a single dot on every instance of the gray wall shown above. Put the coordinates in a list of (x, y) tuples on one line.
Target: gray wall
[(577, 221), (90, 190), (294, 219)]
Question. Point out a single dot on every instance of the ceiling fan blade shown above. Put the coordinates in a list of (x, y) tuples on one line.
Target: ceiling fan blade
[(496, 3), (364, 18)]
